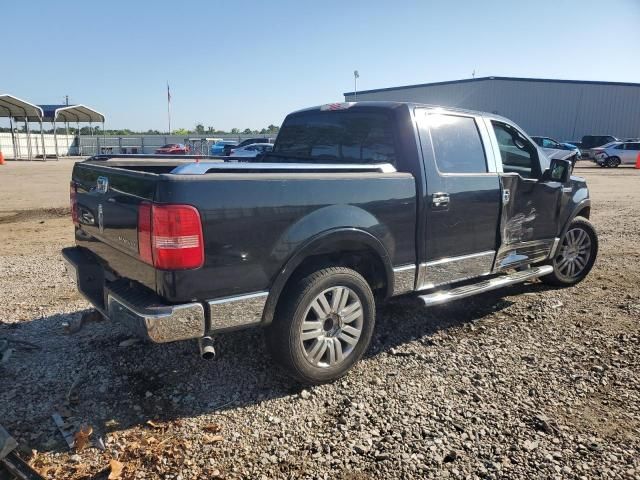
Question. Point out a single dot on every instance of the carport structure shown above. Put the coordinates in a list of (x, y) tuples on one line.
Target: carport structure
[(70, 113), (17, 109)]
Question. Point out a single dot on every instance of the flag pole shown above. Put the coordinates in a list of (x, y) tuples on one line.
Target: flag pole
[(169, 107)]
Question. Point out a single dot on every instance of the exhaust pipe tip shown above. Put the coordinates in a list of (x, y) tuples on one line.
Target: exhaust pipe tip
[(207, 349)]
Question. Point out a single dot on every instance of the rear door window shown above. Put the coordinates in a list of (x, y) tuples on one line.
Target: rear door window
[(456, 144), (337, 137)]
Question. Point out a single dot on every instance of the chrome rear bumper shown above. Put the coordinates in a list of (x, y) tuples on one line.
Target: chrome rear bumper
[(138, 309)]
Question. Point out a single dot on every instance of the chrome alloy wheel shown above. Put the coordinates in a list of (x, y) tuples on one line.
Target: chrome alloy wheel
[(332, 326), (574, 254)]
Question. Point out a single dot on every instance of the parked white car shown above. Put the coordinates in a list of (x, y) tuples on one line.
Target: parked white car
[(252, 150), (617, 153)]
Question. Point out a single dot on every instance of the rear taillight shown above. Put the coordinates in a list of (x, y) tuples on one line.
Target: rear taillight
[(170, 236), (73, 200)]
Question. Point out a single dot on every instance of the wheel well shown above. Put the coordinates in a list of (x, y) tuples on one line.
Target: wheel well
[(363, 260), (585, 212), (360, 258)]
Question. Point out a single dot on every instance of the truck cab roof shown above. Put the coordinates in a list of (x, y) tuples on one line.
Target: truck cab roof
[(392, 105)]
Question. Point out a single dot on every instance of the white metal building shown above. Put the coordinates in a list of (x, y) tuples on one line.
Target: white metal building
[(562, 109)]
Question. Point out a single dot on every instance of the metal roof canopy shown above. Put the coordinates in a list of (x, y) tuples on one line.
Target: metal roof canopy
[(13, 107), (71, 113)]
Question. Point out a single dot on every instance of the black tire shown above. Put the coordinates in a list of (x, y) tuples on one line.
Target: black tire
[(613, 162), (561, 275), (284, 335)]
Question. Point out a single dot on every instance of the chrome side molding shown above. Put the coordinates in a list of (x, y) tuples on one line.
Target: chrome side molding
[(238, 311), (444, 296), (554, 247), (523, 253), (454, 269), (404, 279)]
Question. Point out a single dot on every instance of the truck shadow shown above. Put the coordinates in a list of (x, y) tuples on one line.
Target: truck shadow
[(114, 387)]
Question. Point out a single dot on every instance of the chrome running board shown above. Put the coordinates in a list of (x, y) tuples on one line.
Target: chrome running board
[(444, 296)]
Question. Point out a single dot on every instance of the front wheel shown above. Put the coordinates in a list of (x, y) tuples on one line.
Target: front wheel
[(323, 325), (575, 256)]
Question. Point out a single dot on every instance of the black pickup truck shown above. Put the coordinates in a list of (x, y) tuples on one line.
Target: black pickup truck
[(358, 202)]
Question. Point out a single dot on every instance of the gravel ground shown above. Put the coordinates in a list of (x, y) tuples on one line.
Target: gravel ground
[(526, 382)]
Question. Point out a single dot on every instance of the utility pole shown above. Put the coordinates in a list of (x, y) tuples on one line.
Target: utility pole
[(356, 76)]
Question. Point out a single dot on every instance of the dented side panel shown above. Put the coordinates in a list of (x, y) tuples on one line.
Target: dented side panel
[(529, 220)]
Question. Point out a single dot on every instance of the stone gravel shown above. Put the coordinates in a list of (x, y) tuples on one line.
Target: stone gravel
[(527, 382)]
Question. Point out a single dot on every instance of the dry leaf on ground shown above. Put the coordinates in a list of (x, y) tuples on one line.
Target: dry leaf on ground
[(116, 469), (81, 437), (212, 427), (212, 438)]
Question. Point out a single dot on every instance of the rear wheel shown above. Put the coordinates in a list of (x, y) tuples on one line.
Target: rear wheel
[(613, 162), (323, 326), (575, 255)]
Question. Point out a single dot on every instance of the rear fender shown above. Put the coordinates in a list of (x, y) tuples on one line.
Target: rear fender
[(329, 241)]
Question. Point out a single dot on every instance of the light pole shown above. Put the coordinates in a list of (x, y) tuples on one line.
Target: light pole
[(356, 76)]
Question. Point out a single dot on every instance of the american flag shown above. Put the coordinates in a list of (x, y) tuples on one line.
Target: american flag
[(168, 93)]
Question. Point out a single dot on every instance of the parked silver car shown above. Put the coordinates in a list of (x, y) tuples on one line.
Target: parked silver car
[(617, 153), (555, 149), (252, 150)]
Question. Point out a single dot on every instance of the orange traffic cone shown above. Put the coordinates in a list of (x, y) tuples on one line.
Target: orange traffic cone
[(637, 161), (1, 158)]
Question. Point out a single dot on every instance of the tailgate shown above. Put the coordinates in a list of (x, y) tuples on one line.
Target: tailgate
[(107, 201)]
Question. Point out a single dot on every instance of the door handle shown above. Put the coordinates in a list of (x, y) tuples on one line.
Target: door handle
[(440, 200)]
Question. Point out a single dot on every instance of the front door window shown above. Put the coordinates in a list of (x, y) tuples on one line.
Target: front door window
[(518, 154)]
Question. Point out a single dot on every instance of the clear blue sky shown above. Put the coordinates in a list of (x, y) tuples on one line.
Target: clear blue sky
[(247, 63)]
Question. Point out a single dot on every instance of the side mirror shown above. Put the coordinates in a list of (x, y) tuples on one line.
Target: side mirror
[(559, 171)]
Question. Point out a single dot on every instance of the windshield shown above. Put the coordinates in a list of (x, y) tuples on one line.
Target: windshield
[(336, 137), (169, 145)]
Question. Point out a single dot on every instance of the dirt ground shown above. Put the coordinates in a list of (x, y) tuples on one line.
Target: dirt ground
[(527, 382)]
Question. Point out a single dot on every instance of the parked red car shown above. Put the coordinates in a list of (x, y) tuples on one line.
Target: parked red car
[(173, 149)]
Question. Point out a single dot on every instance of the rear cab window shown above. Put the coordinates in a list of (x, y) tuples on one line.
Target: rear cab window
[(457, 144), (336, 137)]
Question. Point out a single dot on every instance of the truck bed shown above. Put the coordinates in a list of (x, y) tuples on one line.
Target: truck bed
[(254, 216)]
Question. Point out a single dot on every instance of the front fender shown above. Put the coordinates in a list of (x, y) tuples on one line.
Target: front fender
[(573, 213)]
